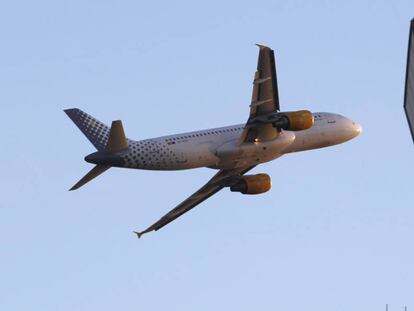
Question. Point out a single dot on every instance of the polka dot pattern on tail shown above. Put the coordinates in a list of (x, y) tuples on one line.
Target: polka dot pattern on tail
[(96, 131)]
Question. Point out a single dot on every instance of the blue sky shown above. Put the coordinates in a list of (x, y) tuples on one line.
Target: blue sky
[(334, 233)]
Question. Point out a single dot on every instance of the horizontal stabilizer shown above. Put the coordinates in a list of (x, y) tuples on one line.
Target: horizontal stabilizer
[(95, 172), (117, 139)]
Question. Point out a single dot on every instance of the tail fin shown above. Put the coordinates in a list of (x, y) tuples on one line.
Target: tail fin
[(108, 141), (94, 130)]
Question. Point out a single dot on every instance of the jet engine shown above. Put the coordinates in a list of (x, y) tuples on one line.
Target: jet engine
[(290, 120), (294, 120), (252, 184)]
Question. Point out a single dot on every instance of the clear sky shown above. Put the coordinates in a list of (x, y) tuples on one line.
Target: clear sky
[(335, 232)]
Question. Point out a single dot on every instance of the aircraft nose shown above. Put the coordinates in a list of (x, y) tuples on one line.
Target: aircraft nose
[(357, 128), (353, 128)]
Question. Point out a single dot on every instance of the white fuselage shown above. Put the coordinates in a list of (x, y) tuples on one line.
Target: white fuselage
[(220, 147)]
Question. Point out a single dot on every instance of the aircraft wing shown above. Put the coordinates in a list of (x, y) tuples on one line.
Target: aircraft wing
[(409, 82), (265, 97), (222, 179)]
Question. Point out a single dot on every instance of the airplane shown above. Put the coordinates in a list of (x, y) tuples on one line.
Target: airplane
[(409, 82), (233, 150)]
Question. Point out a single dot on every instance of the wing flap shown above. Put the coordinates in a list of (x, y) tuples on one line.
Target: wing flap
[(265, 97), (265, 81)]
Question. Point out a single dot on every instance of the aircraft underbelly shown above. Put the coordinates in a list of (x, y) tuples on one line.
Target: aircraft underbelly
[(233, 154)]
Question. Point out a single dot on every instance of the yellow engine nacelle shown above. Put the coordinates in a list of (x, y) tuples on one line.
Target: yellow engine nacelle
[(299, 120), (252, 184)]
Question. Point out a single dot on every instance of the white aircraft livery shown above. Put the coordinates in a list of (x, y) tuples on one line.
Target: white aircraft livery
[(232, 150)]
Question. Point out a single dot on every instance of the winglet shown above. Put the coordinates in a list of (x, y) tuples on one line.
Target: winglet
[(139, 234), (261, 46)]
